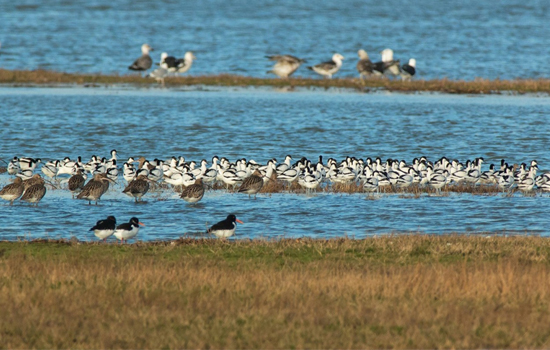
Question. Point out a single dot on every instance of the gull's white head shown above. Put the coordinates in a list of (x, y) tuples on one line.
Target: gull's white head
[(337, 57), (363, 54), (387, 55), (412, 62), (163, 56), (189, 57), (145, 49)]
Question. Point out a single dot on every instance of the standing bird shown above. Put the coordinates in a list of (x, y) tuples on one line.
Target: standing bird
[(184, 64), (95, 188), (167, 62), (365, 67), (144, 62), (193, 193), (286, 65), (252, 184), (225, 228), (389, 64), (36, 179), (327, 69), (137, 188), (34, 193), (76, 182), (13, 166), (128, 230), (408, 70), (159, 74), (12, 191), (104, 228)]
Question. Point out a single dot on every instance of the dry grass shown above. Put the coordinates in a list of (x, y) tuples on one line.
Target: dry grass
[(478, 86), (387, 292)]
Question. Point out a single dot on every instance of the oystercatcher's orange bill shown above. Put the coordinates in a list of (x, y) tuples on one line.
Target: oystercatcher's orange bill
[(239, 221), (142, 224)]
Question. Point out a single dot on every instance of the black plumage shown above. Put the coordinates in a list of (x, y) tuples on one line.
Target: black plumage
[(107, 224)]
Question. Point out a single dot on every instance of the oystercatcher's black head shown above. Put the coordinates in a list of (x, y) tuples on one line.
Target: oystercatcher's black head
[(135, 221), (233, 218), (111, 218)]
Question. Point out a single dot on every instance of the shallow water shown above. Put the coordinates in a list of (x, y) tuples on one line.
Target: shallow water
[(260, 124), (458, 40)]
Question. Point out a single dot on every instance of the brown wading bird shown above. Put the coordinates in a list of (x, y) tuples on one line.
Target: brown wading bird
[(36, 179), (95, 188), (76, 182), (194, 192), (34, 193), (12, 191), (137, 188), (252, 184)]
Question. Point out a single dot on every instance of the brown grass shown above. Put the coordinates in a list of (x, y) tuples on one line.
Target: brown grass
[(386, 292), (478, 86)]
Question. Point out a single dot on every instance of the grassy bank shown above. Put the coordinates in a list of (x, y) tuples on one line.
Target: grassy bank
[(398, 292), (478, 86)]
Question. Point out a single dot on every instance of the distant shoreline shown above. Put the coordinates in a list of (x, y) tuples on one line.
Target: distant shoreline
[(478, 86)]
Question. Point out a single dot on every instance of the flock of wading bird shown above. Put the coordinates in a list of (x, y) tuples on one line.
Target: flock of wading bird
[(190, 179), (285, 65)]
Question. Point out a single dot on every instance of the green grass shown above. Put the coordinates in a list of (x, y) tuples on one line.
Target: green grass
[(406, 291)]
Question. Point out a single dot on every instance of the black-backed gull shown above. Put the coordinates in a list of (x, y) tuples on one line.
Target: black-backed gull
[(327, 69)]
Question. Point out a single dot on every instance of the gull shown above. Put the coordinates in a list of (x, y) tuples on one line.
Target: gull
[(408, 70), (327, 69), (388, 64), (285, 65), (159, 74), (144, 62), (365, 67), (184, 64)]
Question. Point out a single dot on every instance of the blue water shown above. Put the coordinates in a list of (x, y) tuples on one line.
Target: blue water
[(263, 123), (455, 39)]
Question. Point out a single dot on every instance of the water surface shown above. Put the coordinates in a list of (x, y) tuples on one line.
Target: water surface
[(454, 39), (260, 124)]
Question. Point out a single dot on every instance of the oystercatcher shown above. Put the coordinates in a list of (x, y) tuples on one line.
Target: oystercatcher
[(128, 230), (225, 228), (104, 228)]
